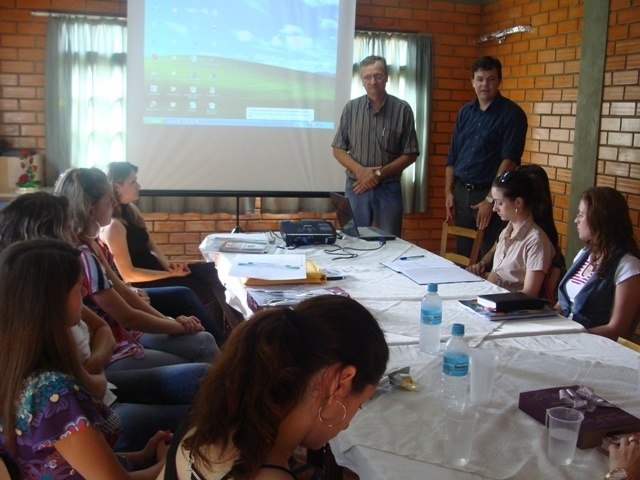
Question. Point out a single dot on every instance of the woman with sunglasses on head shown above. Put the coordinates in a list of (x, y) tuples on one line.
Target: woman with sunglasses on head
[(311, 367), (523, 253), (600, 289), (543, 217), (51, 427)]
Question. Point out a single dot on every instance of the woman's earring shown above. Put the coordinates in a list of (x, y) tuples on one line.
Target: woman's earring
[(328, 422), (93, 237)]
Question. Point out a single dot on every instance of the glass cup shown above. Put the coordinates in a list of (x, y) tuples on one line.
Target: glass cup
[(459, 435), (483, 370), (563, 425)]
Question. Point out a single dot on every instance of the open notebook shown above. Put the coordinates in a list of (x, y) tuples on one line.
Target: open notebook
[(348, 224)]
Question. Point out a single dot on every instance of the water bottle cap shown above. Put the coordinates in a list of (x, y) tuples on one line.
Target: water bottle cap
[(432, 288), (457, 329)]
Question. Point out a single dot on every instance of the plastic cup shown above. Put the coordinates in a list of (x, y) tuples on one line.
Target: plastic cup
[(459, 435), (564, 425), (483, 371)]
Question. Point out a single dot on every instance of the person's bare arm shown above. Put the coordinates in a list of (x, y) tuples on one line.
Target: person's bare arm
[(626, 310), (101, 341), (449, 197), (533, 281), (111, 302), (115, 236)]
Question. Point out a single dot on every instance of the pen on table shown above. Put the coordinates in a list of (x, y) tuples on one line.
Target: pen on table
[(411, 257), (265, 264)]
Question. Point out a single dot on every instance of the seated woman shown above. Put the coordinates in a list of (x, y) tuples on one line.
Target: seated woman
[(148, 399), (51, 426), (181, 339), (310, 368), (524, 252), (143, 264), (600, 290), (543, 217)]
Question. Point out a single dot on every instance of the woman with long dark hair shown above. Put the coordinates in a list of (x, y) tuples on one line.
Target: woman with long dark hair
[(310, 368), (600, 290)]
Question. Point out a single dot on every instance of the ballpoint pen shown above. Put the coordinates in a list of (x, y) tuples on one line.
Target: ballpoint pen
[(270, 265), (411, 257)]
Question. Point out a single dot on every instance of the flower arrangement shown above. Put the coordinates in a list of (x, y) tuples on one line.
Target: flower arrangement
[(27, 178)]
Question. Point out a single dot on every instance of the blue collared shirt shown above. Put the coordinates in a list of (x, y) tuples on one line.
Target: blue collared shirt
[(482, 139)]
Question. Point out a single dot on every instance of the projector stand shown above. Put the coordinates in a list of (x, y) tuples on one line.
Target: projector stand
[(237, 228)]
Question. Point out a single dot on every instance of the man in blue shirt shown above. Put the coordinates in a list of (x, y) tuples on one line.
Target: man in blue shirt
[(488, 138), (375, 142)]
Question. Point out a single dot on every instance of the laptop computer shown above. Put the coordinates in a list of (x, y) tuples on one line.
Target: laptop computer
[(348, 224)]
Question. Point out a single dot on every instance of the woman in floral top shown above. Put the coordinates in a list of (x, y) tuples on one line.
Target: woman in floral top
[(50, 425)]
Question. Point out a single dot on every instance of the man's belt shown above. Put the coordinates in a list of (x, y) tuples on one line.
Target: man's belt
[(470, 187)]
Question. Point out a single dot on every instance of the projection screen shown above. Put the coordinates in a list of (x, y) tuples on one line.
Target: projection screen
[(241, 95)]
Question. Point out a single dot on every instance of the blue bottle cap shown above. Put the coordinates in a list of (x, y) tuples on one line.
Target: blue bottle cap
[(432, 288), (457, 329)]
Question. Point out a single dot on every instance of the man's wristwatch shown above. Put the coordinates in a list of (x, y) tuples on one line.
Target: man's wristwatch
[(617, 474), (489, 198), (378, 173)]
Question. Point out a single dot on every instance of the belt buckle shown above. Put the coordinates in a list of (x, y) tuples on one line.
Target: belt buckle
[(469, 187)]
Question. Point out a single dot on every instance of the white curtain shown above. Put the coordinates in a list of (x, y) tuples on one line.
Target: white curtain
[(409, 63), (85, 92), (85, 106)]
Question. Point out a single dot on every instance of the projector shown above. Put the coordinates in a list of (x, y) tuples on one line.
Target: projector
[(307, 232)]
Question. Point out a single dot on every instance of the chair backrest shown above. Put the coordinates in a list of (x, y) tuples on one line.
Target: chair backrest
[(629, 344), (452, 230), (553, 277)]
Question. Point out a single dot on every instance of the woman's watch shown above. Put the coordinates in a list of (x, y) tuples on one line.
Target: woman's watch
[(489, 198), (616, 474)]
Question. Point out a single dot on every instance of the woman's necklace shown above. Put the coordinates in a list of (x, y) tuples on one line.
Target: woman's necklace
[(589, 268)]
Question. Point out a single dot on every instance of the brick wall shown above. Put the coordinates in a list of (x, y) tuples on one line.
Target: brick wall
[(540, 72)]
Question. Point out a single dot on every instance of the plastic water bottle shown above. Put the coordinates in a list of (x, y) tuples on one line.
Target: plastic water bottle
[(430, 320), (455, 369)]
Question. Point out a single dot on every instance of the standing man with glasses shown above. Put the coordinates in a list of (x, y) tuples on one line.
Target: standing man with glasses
[(488, 138), (375, 142)]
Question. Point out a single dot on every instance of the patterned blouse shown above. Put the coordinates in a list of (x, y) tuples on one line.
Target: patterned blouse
[(53, 406)]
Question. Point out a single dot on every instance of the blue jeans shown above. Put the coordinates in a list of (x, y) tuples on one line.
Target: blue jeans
[(382, 205), (152, 399), (179, 300)]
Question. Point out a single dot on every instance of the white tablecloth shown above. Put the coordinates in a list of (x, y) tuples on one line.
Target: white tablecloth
[(399, 434), (391, 297)]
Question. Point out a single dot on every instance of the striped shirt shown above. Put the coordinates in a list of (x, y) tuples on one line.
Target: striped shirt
[(375, 139)]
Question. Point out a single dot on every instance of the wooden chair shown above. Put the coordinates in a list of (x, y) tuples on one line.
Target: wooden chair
[(452, 230), (633, 346)]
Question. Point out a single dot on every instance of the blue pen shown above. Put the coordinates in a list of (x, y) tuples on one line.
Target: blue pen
[(411, 257)]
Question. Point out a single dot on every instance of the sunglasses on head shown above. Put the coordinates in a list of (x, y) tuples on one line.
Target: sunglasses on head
[(505, 176)]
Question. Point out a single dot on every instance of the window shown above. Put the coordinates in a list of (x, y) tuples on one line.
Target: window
[(85, 92), (408, 59)]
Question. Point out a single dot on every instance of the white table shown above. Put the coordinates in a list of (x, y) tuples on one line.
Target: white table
[(391, 297), (399, 434)]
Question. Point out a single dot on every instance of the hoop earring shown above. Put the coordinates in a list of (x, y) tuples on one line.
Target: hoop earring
[(97, 234), (516, 210), (326, 422)]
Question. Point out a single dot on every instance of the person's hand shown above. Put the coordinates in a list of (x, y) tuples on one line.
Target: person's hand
[(484, 211), (477, 268), (156, 448), (190, 324), (626, 455), (179, 269), (366, 179), (450, 205), (143, 295)]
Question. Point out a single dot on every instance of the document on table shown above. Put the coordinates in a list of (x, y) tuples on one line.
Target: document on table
[(423, 270), (269, 266)]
